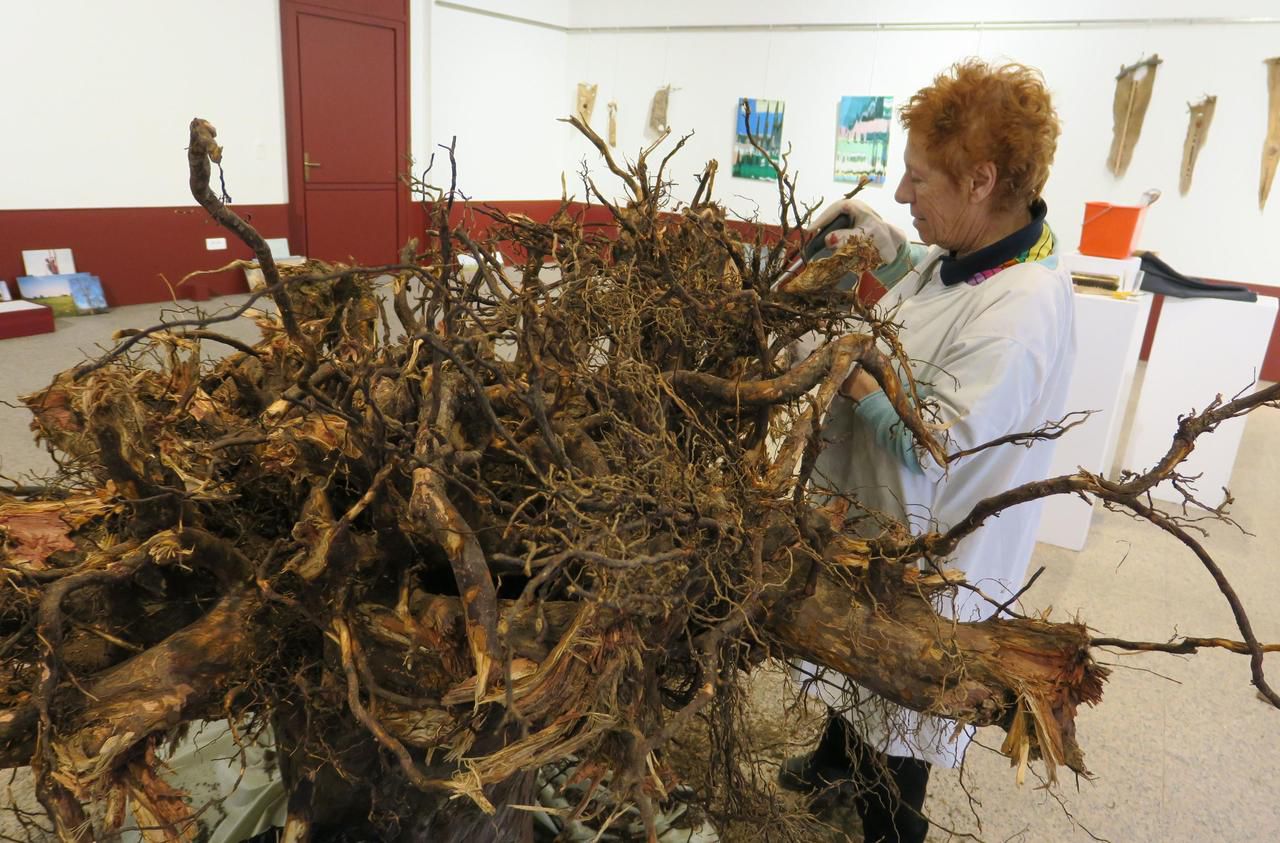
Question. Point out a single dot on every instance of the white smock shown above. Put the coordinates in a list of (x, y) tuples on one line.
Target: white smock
[(234, 786), (995, 358)]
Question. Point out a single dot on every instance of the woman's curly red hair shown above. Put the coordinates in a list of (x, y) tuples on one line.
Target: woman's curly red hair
[(976, 112)]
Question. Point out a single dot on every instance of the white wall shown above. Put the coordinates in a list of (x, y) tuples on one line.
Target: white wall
[(498, 86), (101, 121), (722, 13), (98, 95), (420, 12), (552, 12), (1216, 230)]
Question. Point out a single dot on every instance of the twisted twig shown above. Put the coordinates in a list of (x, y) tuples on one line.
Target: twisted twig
[(203, 149)]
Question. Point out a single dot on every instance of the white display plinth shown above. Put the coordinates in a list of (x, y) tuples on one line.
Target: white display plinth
[(1202, 348), (1108, 338)]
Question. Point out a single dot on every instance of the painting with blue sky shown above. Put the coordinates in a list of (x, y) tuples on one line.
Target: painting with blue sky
[(53, 291), (86, 291)]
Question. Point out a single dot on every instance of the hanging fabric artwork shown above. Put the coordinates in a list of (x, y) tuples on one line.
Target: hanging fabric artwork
[(1197, 134), (1133, 94), (1271, 146), (658, 111), (613, 123), (586, 102)]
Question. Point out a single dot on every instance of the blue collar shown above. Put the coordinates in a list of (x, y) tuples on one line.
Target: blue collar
[(1011, 249)]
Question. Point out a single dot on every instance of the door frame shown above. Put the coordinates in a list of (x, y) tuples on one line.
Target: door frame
[(289, 10)]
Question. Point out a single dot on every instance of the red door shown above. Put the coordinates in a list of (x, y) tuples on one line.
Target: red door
[(346, 109)]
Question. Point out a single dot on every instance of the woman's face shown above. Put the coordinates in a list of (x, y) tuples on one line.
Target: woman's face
[(940, 208)]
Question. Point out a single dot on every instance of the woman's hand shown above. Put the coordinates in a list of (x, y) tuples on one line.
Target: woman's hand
[(858, 385), (864, 222)]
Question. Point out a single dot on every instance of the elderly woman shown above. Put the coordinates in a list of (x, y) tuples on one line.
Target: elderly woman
[(986, 313)]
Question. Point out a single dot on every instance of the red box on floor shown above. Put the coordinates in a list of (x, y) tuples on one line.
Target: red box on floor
[(23, 318)]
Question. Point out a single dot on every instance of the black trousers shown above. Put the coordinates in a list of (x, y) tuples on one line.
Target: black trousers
[(889, 790)]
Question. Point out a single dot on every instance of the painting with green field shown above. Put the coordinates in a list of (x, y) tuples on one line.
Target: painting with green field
[(761, 121), (53, 291)]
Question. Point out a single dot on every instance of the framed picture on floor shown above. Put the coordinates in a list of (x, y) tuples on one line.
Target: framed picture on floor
[(40, 262), (4, 292), (52, 291), (86, 292)]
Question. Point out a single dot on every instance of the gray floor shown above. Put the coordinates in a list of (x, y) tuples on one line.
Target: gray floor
[(29, 363), (1182, 748)]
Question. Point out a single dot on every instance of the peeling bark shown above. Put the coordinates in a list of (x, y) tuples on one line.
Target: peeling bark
[(430, 505), (986, 673)]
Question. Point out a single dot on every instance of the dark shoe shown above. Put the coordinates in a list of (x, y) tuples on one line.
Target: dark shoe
[(807, 774), (827, 765)]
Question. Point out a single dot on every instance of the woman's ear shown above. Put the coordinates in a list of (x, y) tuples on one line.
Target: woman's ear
[(982, 180)]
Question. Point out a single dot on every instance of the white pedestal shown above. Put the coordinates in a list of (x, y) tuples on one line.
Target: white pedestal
[(1108, 338), (1202, 347)]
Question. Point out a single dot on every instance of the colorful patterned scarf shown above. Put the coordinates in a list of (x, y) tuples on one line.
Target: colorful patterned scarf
[(1032, 242)]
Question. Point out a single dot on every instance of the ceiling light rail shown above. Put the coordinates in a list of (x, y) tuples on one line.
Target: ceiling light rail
[(877, 26)]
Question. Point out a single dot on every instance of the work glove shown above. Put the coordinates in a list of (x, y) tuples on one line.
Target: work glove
[(865, 222)]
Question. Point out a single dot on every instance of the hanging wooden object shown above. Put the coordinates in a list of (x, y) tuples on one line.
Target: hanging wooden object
[(658, 111), (1197, 134), (613, 123), (1133, 94), (586, 102), (1270, 147)]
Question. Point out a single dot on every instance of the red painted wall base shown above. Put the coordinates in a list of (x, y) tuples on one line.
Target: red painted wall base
[(135, 250)]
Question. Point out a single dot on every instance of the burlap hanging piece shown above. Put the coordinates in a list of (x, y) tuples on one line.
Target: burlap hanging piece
[(1133, 94), (1197, 134), (658, 111), (1270, 147), (586, 102), (613, 123)]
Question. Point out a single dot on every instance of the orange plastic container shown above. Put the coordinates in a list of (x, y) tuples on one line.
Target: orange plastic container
[(1110, 231)]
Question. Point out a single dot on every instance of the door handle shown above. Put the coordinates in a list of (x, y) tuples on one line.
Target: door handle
[(307, 164)]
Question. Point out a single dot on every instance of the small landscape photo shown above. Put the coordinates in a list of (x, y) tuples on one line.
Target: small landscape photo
[(86, 291), (40, 262), (5, 295), (53, 291)]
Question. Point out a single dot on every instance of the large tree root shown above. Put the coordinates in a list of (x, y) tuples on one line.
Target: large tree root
[(524, 519)]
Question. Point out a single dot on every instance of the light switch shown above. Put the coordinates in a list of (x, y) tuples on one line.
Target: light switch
[(213, 244)]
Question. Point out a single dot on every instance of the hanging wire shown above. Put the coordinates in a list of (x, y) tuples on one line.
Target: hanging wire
[(768, 60), (666, 59), (875, 59)]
